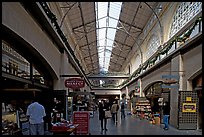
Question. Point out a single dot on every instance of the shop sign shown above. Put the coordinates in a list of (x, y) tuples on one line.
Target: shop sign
[(188, 98), (189, 107), (170, 76), (82, 118), (170, 79), (74, 83), (170, 86)]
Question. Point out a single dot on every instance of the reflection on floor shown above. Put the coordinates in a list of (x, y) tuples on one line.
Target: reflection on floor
[(132, 125)]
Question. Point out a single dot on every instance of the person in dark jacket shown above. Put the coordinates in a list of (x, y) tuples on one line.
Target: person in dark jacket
[(57, 111), (102, 108), (122, 108)]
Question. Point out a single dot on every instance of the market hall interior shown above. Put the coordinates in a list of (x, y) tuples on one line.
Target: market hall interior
[(145, 54)]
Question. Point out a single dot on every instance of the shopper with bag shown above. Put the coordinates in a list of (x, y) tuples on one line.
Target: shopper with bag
[(102, 108), (114, 110)]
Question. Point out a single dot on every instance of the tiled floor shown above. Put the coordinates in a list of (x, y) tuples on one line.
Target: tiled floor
[(132, 125)]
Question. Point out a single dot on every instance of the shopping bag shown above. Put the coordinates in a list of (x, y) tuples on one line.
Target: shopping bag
[(108, 114), (117, 108)]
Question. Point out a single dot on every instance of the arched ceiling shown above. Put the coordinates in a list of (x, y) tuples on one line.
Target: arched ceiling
[(82, 18)]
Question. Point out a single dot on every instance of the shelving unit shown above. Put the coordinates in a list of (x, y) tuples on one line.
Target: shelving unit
[(143, 108), (9, 123), (14, 122)]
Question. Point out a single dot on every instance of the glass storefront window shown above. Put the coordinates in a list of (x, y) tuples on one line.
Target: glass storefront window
[(13, 63), (37, 77)]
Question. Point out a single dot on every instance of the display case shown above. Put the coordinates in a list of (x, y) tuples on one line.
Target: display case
[(83, 101), (143, 108), (14, 122), (9, 123)]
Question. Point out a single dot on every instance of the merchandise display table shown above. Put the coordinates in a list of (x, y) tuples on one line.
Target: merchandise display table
[(64, 129)]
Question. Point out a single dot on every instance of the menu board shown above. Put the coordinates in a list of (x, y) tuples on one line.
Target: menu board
[(82, 118)]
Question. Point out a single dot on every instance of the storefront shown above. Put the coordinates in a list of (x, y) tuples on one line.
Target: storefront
[(22, 79), (159, 99)]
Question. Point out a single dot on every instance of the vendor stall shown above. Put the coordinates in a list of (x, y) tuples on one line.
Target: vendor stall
[(64, 128)]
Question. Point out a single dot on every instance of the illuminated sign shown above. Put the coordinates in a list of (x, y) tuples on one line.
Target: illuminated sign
[(189, 107), (74, 83)]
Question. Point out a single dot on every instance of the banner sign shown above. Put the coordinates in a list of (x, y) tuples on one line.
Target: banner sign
[(170, 86), (74, 83), (170, 79), (189, 107), (170, 76), (82, 118)]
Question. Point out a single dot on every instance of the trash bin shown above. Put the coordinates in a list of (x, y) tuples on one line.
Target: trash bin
[(166, 122)]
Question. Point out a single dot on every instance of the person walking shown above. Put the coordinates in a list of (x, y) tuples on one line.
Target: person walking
[(122, 108), (166, 111), (114, 110), (102, 108), (57, 111), (36, 113)]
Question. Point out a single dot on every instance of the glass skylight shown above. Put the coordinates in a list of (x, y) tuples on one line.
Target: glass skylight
[(107, 15)]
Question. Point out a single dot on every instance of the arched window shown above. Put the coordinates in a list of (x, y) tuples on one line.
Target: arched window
[(137, 61), (184, 13), (152, 46)]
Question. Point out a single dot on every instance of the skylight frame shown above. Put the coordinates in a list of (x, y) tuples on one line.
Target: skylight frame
[(105, 12)]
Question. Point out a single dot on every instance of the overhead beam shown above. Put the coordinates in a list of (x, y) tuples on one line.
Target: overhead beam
[(107, 77), (115, 63), (118, 55), (90, 56), (123, 44), (73, 29), (91, 63), (82, 17), (130, 27)]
